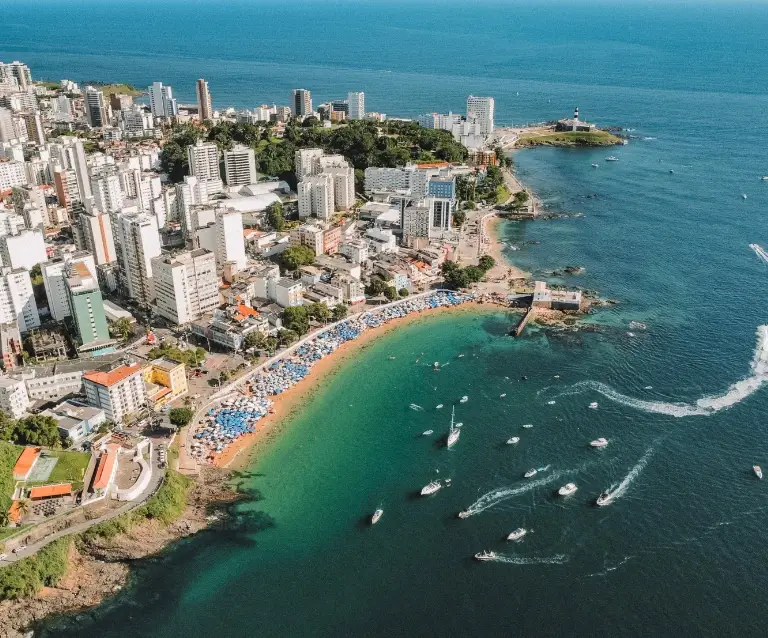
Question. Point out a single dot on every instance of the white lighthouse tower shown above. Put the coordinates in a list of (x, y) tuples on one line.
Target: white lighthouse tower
[(575, 118)]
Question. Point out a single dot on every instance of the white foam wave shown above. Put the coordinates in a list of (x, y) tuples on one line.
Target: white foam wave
[(557, 559), (660, 407), (494, 497), (632, 475), (415, 407)]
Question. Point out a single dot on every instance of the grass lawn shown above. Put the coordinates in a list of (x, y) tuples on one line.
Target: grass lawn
[(8, 455), (70, 468), (502, 194), (568, 138), (125, 89)]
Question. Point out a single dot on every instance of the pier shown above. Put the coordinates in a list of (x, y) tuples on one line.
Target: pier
[(516, 332)]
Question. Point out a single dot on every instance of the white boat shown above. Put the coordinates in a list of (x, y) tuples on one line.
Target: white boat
[(517, 534), (593, 405), (567, 489), (427, 432), (376, 516), (513, 440), (501, 396), (439, 406), (758, 472), (604, 499), (744, 196), (551, 402), (531, 473), (454, 432), (612, 158), (431, 488), (464, 514), (485, 555), (461, 356), (764, 178), (595, 165), (464, 399), (601, 442), (528, 426)]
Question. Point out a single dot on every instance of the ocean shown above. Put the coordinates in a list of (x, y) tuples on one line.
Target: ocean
[(679, 391)]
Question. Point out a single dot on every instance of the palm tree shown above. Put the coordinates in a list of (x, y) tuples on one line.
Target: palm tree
[(23, 507)]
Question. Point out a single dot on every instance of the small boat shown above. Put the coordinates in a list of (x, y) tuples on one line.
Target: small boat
[(758, 472), (764, 178), (531, 473), (483, 556), (427, 432), (464, 514), (612, 158), (528, 426), (604, 499), (671, 171), (595, 165), (431, 488), (744, 196), (501, 396), (593, 405), (438, 406), (601, 442), (461, 356), (551, 402), (376, 516), (391, 358), (464, 399), (513, 440), (567, 489), (454, 432), (517, 534)]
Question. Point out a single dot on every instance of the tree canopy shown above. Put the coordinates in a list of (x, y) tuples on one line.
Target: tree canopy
[(295, 257), (36, 429), (180, 416), (296, 319), (275, 217)]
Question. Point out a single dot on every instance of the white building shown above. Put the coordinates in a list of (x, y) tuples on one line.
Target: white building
[(240, 166), (12, 174), (136, 122), (96, 110), (54, 279), (229, 238), (356, 250), (204, 160), (316, 197), (13, 397), (24, 250), (356, 102), (410, 180), (96, 231), (161, 100), (308, 235), (306, 162), (17, 299), (186, 285), (381, 241), (288, 292), (481, 111), (118, 392), (140, 243), (343, 186), (416, 221), (107, 193), (204, 109)]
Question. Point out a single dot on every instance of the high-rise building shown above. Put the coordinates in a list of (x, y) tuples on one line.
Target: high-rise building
[(12, 174), (96, 231), (161, 101), (17, 299), (481, 111), (230, 241), (240, 166), (356, 102), (67, 191), (80, 166), (7, 128), (186, 285), (24, 250), (107, 193), (316, 196), (34, 124), (204, 110), (306, 160), (204, 160), (118, 392), (301, 102), (139, 244), (95, 108), (86, 307), (17, 73)]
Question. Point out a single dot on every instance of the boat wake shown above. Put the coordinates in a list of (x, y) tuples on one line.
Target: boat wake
[(499, 495), (557, 559), (415, 407), (705, 406), (622, 487)]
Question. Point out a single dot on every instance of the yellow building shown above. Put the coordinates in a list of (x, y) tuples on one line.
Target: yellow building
[(165, 381)]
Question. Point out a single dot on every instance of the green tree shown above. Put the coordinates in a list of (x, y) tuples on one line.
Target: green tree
[(121, 329), (390, 292), (255, 339), (474, 274), (459, 217), (339, 312), (286, 337), (271, 343), (180, 416), (36, 274), (297, 256), (403, 292), (296, 319), (310, 122), (376, 286), (275, 217), (318, 311), (486, 262), (37, 429)]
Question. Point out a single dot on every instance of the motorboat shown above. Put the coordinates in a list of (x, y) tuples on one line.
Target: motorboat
[(427, 432), (464, 399), (593, 405), (461, 356), (517, 534), (612, 158), (528, 426), (431, 488), (464, 514), (454, 432), (484, 555), (601, 442), (551, 402), (764, 178), (604, 499), (567, 489), (376, 516), (531, 473), (671, 171), (501, 396), (513, 440), (758, 472), (744, 196), (595, 165), (391, 358), (439, 406)]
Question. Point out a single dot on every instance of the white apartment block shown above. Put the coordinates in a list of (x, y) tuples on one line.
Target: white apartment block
[(306, 162), (343, 186), (136, 122), (481, 111), (408, 180), (161, 100), (13, 397), (186, 285), (140, 243), (356, 102), (308, 235), (381, 240), (107, 193), (288, 292), (416, 221), (96, 231), (118, 392), (316, 197), (204, 160), (356, 250), (17, 299), (12, 174), (25, 250), (229, 237), (55, 282), (240, 166), (204, 109)]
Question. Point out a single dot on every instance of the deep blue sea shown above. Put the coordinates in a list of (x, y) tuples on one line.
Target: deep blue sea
[(665, 231)]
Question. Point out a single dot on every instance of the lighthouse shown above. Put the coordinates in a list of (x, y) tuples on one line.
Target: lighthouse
[(575, 118)]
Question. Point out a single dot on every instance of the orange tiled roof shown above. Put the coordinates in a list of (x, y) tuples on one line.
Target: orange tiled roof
[(25, 461), (14, 514), (113, 376), (247, 311), (47, 491), (433, 165), (104, 471)]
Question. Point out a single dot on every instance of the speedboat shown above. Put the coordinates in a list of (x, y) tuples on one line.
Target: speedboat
[(531, 473), (528, 426), (431, 488), (612, 158), (567, 489), (744, 196), (484, 555), (501, 396), (376, 516), (595, 165), (604, 499), (464, 399), (601, 442), (764, 178), (438, 406), (551, 402), (593, 405), (464, 514), (427, 432), (517, 534), (758, 472), (513, 440), (671, 171)]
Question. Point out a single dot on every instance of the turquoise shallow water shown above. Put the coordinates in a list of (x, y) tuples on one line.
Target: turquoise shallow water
[(680, 550)]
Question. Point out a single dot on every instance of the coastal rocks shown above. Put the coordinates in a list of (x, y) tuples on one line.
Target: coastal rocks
[(569, 270)]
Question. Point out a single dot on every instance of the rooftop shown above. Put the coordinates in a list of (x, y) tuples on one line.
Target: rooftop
[(113, 376), (50, 491)]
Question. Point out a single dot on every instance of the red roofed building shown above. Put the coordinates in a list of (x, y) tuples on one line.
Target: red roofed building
[(50, 491), (25, 463), (106, 469), (118, 392)]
